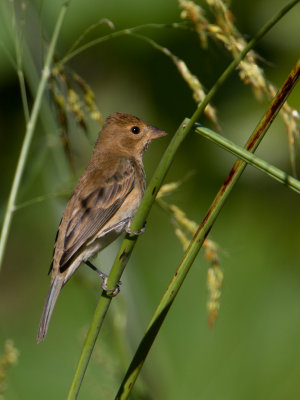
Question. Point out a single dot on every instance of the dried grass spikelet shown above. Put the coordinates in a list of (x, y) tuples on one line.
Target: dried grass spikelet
[(224, 30), (75, 105), (9, 358), (214, 285), (167, 189), (194, 84), (291, 119), (184, 240), (215, 278), (89, 98), (195, 13), (197, 89), (62, 111), (73, 97), (185, 229), (79, 98)]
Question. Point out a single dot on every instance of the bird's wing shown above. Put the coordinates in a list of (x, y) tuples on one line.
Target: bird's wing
[(92, 212)]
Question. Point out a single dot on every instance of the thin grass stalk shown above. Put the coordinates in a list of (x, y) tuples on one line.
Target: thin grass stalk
[(201, 234), (18, 39), (29, 133), (250, 158), (48, 121), (23, 93), (113, 35), (149, 197)]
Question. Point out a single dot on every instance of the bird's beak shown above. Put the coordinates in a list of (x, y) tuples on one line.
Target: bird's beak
[(156, 133)]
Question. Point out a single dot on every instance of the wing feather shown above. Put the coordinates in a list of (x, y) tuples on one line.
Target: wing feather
[(92, 212)]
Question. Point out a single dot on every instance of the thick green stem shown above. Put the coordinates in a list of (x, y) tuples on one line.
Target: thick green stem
[(149, 197), (199, 237), (29, 133)]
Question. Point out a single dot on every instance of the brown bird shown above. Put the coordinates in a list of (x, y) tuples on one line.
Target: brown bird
[(103, 202)]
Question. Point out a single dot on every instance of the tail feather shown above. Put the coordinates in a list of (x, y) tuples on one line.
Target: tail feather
[(52, 296)]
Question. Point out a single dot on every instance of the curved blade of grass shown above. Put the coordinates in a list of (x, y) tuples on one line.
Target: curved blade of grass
[(149, 197)]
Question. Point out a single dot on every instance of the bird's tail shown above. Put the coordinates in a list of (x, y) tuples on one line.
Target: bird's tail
[(52, 295)]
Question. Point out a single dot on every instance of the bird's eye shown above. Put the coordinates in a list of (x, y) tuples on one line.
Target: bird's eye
[(135, 130)]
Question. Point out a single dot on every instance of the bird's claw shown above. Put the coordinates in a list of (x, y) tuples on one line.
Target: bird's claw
[(110, 292), (127, 230)]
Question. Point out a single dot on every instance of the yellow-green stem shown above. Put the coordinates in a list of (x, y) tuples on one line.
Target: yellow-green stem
[(29, 133)]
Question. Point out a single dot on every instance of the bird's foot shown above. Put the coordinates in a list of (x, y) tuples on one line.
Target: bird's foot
[(109, 292), (127, 230)]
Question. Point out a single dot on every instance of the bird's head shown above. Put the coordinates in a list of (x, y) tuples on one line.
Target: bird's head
[(127, 134)]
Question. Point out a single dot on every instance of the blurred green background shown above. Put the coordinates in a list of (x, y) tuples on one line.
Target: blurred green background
[(253, 350)]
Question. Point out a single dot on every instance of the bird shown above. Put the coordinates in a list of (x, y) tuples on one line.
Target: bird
[(103, 202)]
